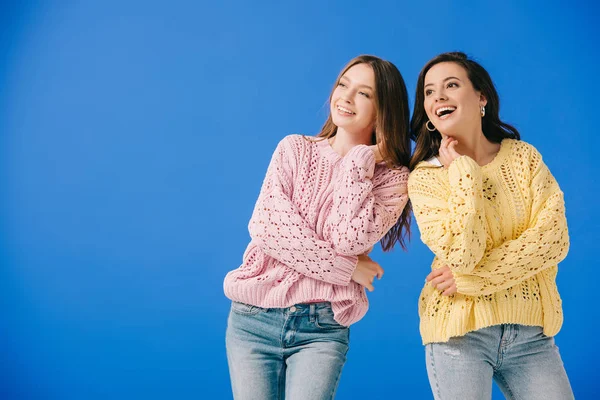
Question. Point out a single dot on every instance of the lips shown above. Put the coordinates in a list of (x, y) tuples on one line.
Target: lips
[(344, 110), (444, 111)]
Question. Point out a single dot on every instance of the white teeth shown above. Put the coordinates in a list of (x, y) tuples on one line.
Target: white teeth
[(344, 110), (441, 109)]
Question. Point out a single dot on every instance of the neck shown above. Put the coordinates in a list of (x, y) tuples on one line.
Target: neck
[(343, 141), (478, 147)]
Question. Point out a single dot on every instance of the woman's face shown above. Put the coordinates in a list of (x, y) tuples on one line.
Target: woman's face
[(451, 102), (353, 101)]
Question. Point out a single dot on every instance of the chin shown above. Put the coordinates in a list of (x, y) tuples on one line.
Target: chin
[(449, 131), (337, 122)]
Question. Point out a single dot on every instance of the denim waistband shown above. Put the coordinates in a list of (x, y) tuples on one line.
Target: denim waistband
[(308, 308)]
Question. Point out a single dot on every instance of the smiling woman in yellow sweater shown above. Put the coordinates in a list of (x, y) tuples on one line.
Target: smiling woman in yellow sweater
[(493, 215)]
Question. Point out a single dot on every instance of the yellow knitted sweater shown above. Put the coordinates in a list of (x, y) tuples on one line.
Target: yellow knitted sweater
[(502, 230)]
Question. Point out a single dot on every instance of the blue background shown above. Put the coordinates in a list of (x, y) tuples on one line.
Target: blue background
[(134, 136)]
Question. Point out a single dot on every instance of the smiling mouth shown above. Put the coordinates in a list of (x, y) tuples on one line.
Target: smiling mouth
[(444, 112), (344, 110)]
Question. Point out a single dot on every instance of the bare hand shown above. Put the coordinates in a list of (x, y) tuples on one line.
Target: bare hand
[(442, 279), (377, 152), (447, 153), (365, 272)]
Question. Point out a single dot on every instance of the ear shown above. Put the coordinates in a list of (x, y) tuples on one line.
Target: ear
[(482, 100)]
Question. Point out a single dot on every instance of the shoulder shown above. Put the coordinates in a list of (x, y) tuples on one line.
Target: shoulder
[(519, 146), (294, 145), (293, 140), (524, 155)]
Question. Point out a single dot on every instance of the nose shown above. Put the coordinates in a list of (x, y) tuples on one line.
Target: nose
[(440, 96), (347, 96)]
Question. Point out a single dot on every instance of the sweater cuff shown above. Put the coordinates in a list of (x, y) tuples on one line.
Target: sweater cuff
[(362, 159), (468, 285), (463, 167), (343, 269)]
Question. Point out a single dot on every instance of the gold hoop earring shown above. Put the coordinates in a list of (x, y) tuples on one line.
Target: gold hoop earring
[(482, 111), (428, 128)]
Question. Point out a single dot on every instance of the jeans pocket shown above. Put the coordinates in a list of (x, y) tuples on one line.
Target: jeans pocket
[(246, 309), (324, 320)]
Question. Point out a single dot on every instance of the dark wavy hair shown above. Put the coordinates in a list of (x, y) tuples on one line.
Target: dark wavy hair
[(392, 132), (427, 143)]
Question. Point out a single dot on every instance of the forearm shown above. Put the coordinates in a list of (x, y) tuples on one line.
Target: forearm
[(450, 214)]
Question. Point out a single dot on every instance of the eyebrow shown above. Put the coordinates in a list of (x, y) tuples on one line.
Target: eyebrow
[(350, 80), (447, 79)]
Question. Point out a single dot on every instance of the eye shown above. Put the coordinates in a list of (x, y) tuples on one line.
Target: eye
[(341, 84), (365, 94), (452, 84), (428, 92)]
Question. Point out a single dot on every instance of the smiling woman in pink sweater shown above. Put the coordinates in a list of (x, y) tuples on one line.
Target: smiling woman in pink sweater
[(324, 203)]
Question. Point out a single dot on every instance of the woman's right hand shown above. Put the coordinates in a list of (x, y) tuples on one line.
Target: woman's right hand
[(447, 153), (365, 272)]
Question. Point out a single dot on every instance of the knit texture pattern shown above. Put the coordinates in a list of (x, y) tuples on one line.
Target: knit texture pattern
[(502, 230), (316, 212)]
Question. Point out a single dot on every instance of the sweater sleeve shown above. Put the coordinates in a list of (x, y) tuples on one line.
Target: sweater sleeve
[(365, 206), (542, 245), (450, 213), (280, 231)]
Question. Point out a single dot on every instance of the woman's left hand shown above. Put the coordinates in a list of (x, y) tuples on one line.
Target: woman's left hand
[(442, 279), (377, 152)]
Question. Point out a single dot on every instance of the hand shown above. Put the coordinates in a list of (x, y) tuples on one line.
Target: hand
[(442, 279), (365, 272), (447, 153), (377, 152)]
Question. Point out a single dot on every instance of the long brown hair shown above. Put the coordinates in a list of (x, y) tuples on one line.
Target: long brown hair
[(391, 103), (427, 143)]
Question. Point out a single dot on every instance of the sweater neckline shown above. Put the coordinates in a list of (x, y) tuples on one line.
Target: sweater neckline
[(328, 151), (497, 160)]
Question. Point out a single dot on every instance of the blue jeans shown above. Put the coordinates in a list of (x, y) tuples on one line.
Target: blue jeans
[(293, 353), (523, 361)]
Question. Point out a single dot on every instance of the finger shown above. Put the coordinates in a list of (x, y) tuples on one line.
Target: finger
[(439, 282), (430, 277), (448, 140), (371, 266), (445, 284), (369, 287), (448, 274), (379, 272), (450, 291), (443, 152), (451, 148), (443, 143), (434, 274)]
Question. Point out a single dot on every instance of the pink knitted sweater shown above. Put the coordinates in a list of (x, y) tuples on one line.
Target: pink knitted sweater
[(315, 213)]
